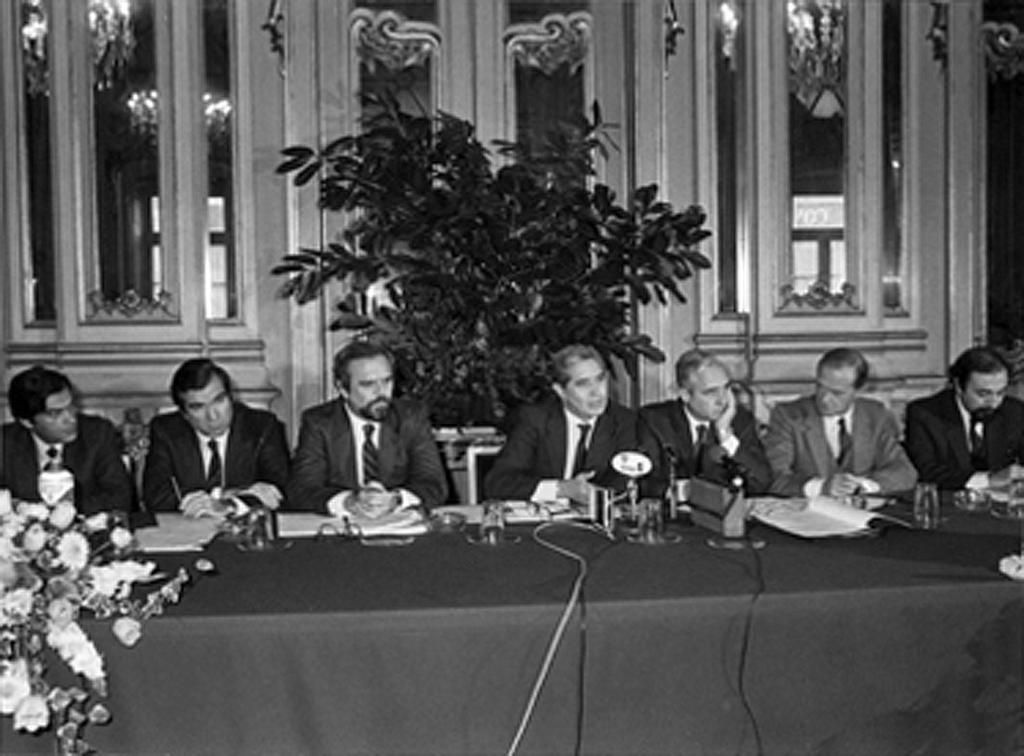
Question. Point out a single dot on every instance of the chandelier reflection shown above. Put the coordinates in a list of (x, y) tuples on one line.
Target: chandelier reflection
[(111, 42), (817, 55), (144, 111)]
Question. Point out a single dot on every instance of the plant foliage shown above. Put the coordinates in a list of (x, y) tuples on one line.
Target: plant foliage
[(475, 274)]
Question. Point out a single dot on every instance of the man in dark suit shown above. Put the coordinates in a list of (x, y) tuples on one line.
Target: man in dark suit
[(563, 448), (49, 430), (970, 435), (215, 453), (836, 442), (366, 447), (705, 432)]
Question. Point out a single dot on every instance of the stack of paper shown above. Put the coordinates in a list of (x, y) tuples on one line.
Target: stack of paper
[(820, 517), (175, 532), (403, 522)]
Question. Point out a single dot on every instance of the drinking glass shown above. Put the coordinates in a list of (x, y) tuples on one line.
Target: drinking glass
[(926, 506), (650, 521), (1015, 507), (971, 500), (492, 523)]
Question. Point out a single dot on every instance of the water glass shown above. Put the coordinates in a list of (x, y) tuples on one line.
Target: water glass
[(650, 521), (926, 506), (971, 500), (492, 523)]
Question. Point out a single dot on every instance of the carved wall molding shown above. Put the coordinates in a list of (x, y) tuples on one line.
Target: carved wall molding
[(131, 305), (389, 39), (819, 298), (557, 40), (1003, 44)]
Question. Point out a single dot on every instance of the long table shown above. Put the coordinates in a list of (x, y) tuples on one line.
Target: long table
[(908, 642)]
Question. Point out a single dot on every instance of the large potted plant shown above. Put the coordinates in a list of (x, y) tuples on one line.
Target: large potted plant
[(475, 273)]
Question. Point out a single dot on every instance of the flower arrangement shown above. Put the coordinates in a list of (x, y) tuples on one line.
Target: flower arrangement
[(55, 564)]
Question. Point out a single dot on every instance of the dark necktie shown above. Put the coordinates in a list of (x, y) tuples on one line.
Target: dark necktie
[(580, 456), (699, 445), (215, 469), (979, 459), (845, 446), (52, 463), (371, 459)]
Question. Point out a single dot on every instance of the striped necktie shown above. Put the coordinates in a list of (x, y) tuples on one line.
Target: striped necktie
[(215, 470), (371, 458)]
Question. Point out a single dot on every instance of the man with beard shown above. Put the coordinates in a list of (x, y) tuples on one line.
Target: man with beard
[(836, 442), (365, 451), (562, 448), (970, 435), (215, 454), (48, 430)]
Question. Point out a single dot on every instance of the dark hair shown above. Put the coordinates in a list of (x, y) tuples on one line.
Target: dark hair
[(980, 359), (196, 374), (843, 357), (564, 357), (692, 361), (29, 389), (357, 350)]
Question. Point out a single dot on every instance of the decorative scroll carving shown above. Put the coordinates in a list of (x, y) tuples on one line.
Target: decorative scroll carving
[(130, 305), (389, 39), (1004, 49), (819, 297), (557, 40)]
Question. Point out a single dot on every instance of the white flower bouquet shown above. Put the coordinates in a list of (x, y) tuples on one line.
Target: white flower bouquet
[(55, 564)]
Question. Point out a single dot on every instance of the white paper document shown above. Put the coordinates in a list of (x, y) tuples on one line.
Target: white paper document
[(175, 532), (820, 517), (308, 524)]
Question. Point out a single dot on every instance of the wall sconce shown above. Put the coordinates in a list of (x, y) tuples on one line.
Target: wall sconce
[(937, 32), (672, 28), (272, 26)]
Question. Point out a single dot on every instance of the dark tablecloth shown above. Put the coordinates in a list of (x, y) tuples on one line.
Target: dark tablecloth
[(908, 642)]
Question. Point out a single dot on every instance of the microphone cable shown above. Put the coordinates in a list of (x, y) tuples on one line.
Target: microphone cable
[(741, 671), (575, 599)]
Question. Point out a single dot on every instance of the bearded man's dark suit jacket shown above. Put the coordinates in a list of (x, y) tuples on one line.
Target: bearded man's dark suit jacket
[(798, 451), (936, 439), (325, 461), (535, 449), (94, 458), (670, 427), (257, 452)]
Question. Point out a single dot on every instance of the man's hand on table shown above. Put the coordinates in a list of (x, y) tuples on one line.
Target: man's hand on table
[(1002, 478), (373, 501), (578, 488), (843, 484), (204, 504)]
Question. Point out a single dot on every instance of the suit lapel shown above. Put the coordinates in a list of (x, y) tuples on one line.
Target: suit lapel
[(388, 444), (341, 432), (24, 462), (239, 450), (554, 444), (956, 436), (820, 451)]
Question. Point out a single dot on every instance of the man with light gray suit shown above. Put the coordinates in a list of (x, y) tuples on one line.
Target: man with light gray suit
[(835, 441)]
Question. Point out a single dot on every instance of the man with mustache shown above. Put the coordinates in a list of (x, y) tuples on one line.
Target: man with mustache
[(48, 430), (970, 435), (365, 451), (563, 447)]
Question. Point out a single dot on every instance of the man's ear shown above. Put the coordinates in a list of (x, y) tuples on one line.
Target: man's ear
[(557, 388), (26, 423)]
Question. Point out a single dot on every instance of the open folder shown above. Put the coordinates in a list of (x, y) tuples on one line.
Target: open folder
[(818, 517)]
